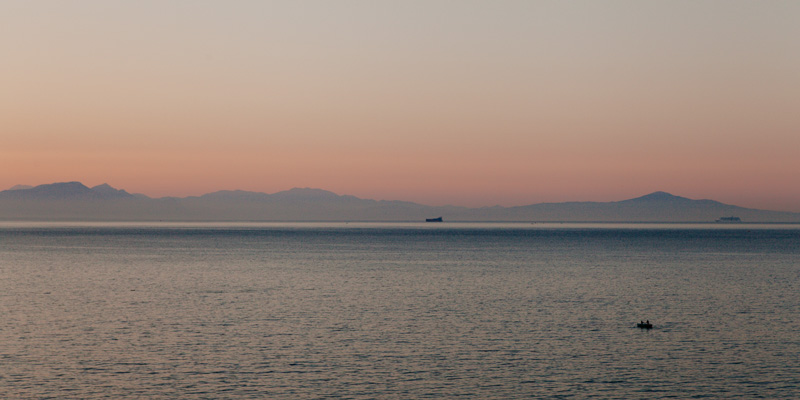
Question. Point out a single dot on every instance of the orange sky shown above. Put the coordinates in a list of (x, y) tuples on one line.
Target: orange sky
[(443, 102)]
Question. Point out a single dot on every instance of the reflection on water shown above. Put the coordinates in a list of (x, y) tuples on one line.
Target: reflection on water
[(398, 311)]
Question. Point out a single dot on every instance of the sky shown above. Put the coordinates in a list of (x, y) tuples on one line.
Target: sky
[(472, 103)]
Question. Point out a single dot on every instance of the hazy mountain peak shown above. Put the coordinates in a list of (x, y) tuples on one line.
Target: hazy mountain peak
[(307, 194), (59, 190), (658, 196), (107, 190), (20, 187), (235, 195), (62, 186), (308, 190), (69, 191), (103, 186)]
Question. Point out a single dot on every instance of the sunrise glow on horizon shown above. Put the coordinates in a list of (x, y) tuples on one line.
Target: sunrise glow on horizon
[(445, 102)]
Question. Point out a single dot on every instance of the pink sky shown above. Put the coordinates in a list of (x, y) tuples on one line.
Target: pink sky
[(444, 102)]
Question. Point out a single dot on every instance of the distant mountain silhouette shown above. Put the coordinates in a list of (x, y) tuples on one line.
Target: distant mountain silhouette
[(19, 187), (54, 191), (109, 192), (657, 197), (65, 191), (75, 201), (235, 195), (309, 195), (653, 207)]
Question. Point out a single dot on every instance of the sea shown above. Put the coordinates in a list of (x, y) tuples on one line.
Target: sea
[(399, 311)]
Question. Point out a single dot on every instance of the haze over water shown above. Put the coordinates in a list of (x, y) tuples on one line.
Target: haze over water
[(399, 311)]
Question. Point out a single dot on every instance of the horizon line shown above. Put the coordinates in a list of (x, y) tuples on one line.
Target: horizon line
[(657, 192)]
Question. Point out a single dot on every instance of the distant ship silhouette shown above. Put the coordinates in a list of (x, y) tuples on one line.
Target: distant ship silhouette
[(438, 219), (729, 219)]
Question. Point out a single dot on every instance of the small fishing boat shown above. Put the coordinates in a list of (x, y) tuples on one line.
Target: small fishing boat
[(644, 325)]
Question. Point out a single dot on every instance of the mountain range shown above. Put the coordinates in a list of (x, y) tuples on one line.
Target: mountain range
[(73, 201)]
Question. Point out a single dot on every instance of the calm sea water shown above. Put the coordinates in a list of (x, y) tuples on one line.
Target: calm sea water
[(399, 311)]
